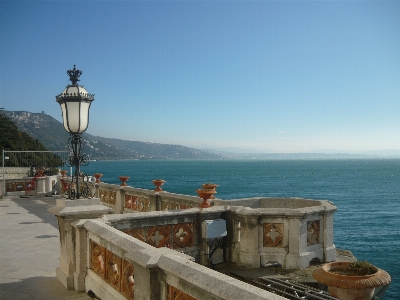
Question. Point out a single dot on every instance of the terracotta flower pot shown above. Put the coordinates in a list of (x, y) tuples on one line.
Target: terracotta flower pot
[(210, 186), (123, 180), (347, 287), (205, 195), (65, 184), (158, 183), (97, 176)]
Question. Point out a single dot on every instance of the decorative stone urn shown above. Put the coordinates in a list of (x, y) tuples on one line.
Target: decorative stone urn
[(205, 195), (97, 176), (65, 184), (158, 183), (63, 173), (346, 287), (123, 180), (210, 186)]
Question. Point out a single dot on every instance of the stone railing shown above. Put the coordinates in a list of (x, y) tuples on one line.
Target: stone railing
[(33, 186), (170, 201), (125, 199), (180, 230), (259, 229), (255, 236), (114, 265), (293, 232), (123, 266), (14, 172)]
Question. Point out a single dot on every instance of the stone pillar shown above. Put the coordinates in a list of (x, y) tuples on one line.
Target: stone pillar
[(72, 269), (153, 201), (249, 254), (58, 185), (120, 201), (41, 186), (147, 283), (81, 262), (329, 247), (297, 240), (49, 184), (158, 202)]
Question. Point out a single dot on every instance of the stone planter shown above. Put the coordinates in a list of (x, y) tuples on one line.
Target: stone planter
[(97, 176), (123, 180), (347, 287), (205, 195), (158, 183), (210, 186)]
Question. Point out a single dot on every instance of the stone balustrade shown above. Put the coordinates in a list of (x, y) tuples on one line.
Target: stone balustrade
[(119, 266), (33, 186), (179, 230), (259, 228), (154, 246), (126, 199), (14, 172), (290, 231)]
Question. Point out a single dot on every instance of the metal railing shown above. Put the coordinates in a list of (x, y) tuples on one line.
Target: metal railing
[(290, 290), (26, 163)]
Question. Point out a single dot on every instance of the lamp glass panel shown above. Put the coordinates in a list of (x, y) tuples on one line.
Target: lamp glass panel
[(84, 115), (73, 116), (64, 115)]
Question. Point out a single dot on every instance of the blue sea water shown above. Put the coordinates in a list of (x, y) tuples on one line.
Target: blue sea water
[(366, 193)]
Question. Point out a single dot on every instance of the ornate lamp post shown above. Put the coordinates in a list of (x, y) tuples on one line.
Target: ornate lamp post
[(75, 103)]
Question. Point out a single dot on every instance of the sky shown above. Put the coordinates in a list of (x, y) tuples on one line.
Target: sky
[(265, 76)]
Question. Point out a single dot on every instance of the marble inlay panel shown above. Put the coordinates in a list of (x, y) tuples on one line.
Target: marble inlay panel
[(138, 233), (175, 294), (165, 205), (107, 196), (137, 203), (18, 186), (183, 235), (98, 259), (273, 234), (128, 279), (313, 229), (113, 270), (117, 272), (159, 236)]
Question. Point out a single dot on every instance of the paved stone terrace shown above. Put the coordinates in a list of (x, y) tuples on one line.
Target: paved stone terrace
[(30, 251)]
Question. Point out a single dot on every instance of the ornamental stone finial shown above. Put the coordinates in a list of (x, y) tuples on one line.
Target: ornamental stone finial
[(74, 75)]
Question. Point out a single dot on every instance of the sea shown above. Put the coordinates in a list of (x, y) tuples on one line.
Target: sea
[(365, 191)]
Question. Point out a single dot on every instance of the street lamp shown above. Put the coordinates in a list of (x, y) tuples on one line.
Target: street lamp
[(75, 103)]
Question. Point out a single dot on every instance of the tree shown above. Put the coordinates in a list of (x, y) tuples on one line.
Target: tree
[(11, 139)]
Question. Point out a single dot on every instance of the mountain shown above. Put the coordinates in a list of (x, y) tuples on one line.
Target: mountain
[(12, 139), (52, 134)]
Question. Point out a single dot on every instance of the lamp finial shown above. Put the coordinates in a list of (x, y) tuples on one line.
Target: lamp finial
[(74, 75)]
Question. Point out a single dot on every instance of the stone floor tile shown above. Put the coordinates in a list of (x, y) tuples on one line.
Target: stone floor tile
[(20, 293), (9, 284), (30, 252)]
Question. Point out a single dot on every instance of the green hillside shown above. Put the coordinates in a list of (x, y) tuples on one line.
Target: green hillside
[(11, 139)]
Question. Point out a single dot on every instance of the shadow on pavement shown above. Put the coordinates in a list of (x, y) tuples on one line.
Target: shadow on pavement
[(39, 207)]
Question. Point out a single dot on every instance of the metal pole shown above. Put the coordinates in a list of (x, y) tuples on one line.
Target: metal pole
[(4, 178), (77, 154)]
